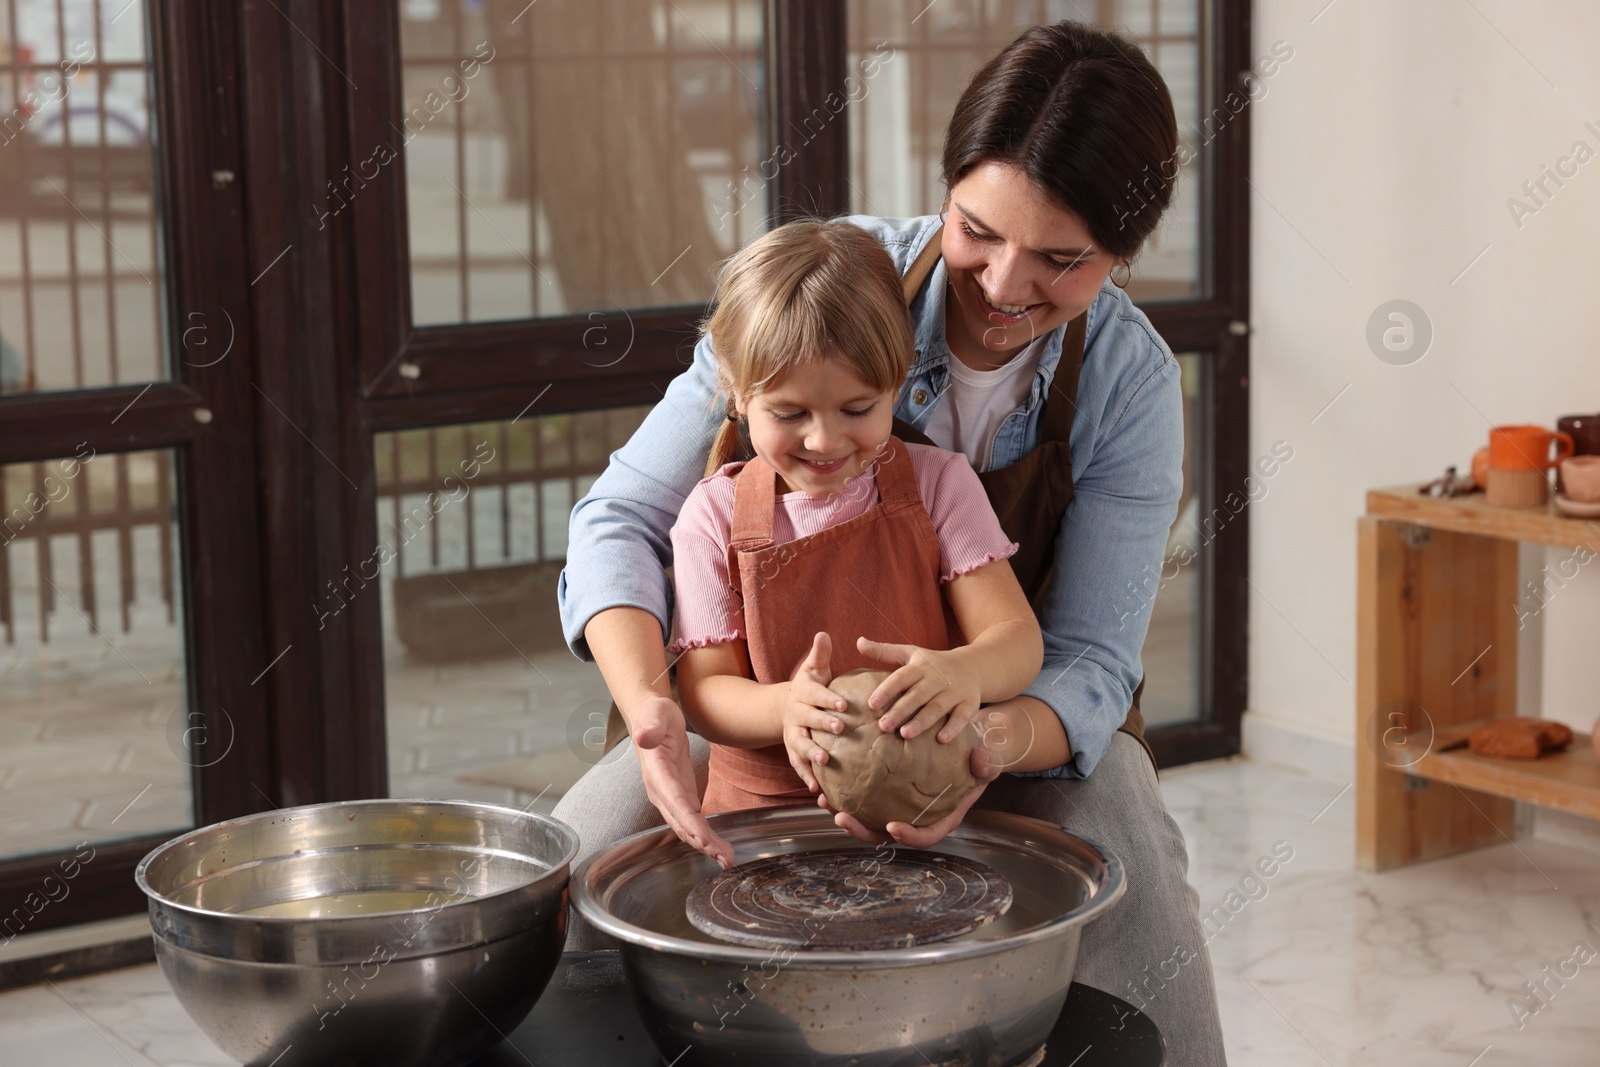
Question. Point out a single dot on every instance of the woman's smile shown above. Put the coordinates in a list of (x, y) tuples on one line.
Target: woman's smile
[(1019, 264), (1002, 312)]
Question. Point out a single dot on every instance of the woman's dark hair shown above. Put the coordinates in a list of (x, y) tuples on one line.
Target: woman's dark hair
[(1086, 116)]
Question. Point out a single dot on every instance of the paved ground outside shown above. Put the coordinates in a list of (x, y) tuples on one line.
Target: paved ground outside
[(94, 741)]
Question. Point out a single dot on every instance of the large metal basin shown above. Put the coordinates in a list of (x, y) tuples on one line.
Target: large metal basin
[(412, 933), (989, 997)]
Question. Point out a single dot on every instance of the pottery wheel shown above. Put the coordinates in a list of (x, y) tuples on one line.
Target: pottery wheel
[(848, 899)]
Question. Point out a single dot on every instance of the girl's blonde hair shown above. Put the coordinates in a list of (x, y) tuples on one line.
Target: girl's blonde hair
[(805, 291)]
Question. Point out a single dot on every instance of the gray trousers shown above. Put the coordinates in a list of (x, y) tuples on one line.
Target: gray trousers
[(1149, 949)]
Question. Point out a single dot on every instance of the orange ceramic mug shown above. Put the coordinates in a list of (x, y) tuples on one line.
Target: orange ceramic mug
[(1527, 448)]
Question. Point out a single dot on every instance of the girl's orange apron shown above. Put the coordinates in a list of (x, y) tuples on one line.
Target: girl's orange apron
[(876, 575)]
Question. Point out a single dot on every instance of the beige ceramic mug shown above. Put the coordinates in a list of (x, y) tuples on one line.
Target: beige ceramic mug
[(1580, 477)]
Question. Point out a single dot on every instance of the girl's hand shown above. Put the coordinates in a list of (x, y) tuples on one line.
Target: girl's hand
[(928, 685), (807, 707), (984, 769)]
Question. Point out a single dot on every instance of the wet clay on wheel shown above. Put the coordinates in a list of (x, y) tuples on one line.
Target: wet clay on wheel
[(882, 778)]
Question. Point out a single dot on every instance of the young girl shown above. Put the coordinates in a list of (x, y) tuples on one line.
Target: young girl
[(836, 530)]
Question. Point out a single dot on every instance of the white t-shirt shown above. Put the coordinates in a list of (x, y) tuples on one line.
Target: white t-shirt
[(976, 402)]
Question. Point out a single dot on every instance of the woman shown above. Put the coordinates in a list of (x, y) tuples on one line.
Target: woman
[(1059, 162)]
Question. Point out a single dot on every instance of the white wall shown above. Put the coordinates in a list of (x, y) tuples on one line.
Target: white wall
[(1384, 153)]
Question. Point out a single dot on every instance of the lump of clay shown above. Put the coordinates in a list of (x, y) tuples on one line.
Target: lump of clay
[(1522, 738), (882, 778)]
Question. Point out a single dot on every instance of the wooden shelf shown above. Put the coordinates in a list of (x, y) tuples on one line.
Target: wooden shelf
[(1473, 514), (1568, 780), (1437, 640)]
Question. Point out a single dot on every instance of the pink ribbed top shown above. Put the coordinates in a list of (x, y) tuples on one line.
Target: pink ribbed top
[(708, 611)]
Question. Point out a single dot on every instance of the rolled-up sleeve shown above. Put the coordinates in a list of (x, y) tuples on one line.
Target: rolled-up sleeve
[(618, 538), (1128, 478)]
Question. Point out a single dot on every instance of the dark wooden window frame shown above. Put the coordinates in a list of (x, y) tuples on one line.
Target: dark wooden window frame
[(207, 415)]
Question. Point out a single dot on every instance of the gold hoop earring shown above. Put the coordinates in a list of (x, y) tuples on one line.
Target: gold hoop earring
[(943, 208), (1127, 274)]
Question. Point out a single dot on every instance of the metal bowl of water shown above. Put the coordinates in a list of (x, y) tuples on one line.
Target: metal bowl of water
[(989, 997), (407, 932)]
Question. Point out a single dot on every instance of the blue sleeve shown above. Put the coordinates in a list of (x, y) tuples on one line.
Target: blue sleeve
[(1128, 478), (618, 538)]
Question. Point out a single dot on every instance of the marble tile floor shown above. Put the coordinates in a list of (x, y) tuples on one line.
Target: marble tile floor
[(1324, 964), (1319, 965)]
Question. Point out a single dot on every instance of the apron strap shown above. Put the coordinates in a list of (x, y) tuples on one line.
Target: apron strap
[(897, 479), (754, 497), (922, 266), (1059, 408)]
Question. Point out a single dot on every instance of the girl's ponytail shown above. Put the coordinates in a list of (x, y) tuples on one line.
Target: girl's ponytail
[(725, 449)]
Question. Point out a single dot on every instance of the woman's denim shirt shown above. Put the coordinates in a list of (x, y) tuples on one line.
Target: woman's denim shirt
[(1127, 472)]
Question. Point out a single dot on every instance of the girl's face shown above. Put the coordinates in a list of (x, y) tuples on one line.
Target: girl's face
[(1019, 265), (819, 426)]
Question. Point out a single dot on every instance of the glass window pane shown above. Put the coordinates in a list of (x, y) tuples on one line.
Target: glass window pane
[(1173, 678), (897, 126), (485, 701), (96, 743), (576, 155), (80, 273)]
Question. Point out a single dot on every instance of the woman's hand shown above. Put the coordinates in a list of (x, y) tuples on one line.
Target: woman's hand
[(662, 743), (806, 707), (926, 687), (903, 833)]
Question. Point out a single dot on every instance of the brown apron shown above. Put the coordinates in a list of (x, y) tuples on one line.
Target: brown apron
[(1030, 496), (875, 575)]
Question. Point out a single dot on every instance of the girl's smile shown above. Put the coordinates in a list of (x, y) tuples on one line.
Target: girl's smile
[(819, 426)]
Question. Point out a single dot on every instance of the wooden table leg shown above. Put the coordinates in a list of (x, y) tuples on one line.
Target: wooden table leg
[(1436, 645)]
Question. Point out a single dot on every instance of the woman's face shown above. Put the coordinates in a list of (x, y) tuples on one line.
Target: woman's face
[(819, 425), (1019, 265)]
